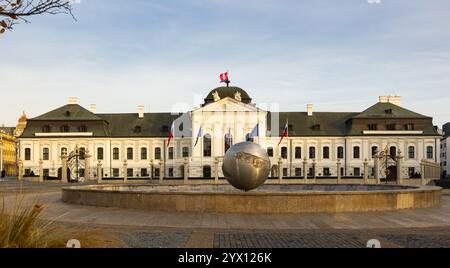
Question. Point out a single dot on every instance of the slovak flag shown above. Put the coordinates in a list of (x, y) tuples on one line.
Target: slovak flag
[(285, 132), (171, 134), (224, 77), (198, 136)]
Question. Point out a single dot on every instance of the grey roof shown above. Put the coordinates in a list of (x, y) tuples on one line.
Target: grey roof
[(152, 125), (379, 111), (331, 124), (68, 112)]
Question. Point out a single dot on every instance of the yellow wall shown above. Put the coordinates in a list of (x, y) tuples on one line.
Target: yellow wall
[(9, 153)]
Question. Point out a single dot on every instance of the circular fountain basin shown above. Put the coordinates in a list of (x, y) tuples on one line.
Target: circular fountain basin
[(270, 199)]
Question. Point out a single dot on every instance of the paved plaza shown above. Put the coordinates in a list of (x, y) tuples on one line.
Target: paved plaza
[(405, 228)]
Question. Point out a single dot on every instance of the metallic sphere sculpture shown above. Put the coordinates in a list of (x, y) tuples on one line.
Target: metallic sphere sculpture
[(246, 166)]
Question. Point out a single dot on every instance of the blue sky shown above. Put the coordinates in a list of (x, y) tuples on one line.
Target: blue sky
[(339, 55)]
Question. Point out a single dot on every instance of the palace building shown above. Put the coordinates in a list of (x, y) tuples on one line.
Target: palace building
[(137, 146)]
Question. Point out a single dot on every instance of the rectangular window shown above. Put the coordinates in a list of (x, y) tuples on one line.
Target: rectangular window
[(46, 173), (82, 172), (129, 172), (298, 152), (270, 151), (430, 152), (27, 172), (310, 172), (298, 172), (326, 172), (171, 153), (100, 153), (171, 172), (411, 172), (285, 172), (340, 152), (157, 172), (357, 172), (82, 153), (144, 172), (116, 172)]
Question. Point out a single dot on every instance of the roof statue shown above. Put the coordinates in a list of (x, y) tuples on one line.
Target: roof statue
[(216, 96), (237, 96)]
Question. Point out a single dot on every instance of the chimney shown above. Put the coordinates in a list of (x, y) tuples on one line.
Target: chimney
[(141, 110), (73, 100), (93, 108), (396, 100), (309, 108)]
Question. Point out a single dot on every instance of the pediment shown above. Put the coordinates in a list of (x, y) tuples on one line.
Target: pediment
[(228, 105)]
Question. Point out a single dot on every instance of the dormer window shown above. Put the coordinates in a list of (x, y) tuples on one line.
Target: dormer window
[(82, 128), (373, 126), (409, 126), (165, 128), (388, 111), (67, 113), (46, 129), (137, 129), (316, 127), (390, 126), (65, 128)]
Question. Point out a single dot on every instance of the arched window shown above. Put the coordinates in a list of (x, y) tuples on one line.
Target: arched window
[(143, 153), (284, 152), (298, 152), (356, 152), (100, 153), (170, 153), (46, 154), (374, 150), (340, 152), (129, 153), (228, 141), (185, 151), (430, 152), (326, 152), (411, 152), (393, 151), (116, 154), (82, 153), (158, 153), (206, 171), (27, 154), (207, 145), (312, 152)]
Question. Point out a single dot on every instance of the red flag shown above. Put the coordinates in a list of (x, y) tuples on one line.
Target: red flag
[(224, 77), (170, 135), (285, 132)]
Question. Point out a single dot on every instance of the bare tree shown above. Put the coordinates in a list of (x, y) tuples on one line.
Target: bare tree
[(14, 11)]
